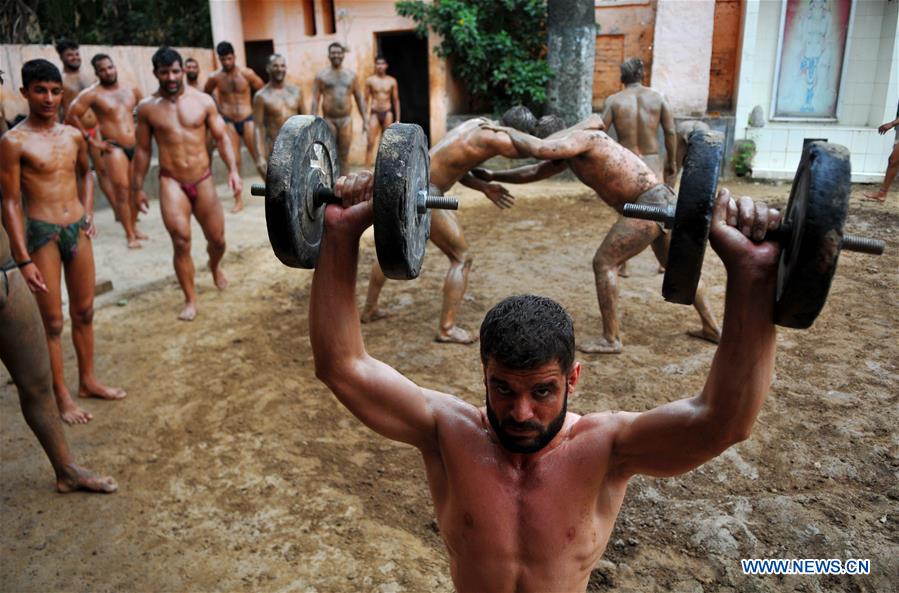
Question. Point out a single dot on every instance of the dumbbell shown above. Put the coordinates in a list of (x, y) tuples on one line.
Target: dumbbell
[(300, 179), (810, 233)]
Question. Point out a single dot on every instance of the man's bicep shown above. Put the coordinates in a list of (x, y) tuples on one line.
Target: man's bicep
[(668, 440)]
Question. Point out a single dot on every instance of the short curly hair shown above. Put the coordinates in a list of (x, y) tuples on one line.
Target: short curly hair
[(527, 331)]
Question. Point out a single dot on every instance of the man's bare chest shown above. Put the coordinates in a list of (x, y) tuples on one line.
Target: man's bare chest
[(46, 155), (114, 103), (167, 118), (235, 83)]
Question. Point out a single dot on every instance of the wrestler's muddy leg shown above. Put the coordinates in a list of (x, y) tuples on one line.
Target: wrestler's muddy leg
[(344, 141), (625, 239), (23, 350), (176, 209), (370, 311), (80, 280), (211, 217), (48, 261), (446, 233), (892, 168), (117, 169)]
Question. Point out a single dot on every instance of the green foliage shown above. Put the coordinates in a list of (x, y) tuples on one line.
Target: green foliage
[(744, 151), (496, 47), (107, 22)]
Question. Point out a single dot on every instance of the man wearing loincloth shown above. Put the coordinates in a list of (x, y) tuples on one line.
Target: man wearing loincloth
[(525, 493), (463, 147), (232, 84), (618, 177), (179, 117), (892, 163), (383, 101), (75, 80), (23, 350), (113, 103), (272, 106), (333, 88), (47, 162)]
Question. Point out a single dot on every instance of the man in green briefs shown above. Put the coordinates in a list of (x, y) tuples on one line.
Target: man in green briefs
[(47, 162)]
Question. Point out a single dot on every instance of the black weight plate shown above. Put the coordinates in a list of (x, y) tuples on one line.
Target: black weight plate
[(693, 216), (303, 157), (819, 200), (402, 172)]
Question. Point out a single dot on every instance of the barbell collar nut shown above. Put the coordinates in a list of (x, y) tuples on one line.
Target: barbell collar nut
[(863, 244), (661, 214), (257, 189)]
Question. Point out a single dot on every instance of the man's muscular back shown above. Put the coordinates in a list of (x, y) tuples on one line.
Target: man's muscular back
[(180, 129), (47, 161), (636, 113), (543, 523), (465, 147)]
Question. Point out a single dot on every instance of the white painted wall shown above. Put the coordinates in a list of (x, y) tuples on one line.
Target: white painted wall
[(682, 53), (869, 96)]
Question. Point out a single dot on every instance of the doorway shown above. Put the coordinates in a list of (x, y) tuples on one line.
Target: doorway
[(258, 53), (407, 61)]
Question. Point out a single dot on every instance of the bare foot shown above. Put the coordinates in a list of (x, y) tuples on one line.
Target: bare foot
[(371, 315), (218, 276), (101, 391), (77, 478), (238, 206), (878, 196), (134, 243), (601, 346), (188, 313), (456, 335), (141, 236), (72, 414), (709, 335), (622, 270)]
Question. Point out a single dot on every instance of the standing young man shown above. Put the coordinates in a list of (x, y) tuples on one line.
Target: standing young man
[(179, 117), (272, 106), (113, 104), (383, 100), (48, 162), (233, 84)]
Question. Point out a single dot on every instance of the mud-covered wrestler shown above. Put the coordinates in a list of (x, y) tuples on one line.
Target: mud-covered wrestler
[(618, 177), (232, 84), (179, 118), (463, 147), (526, 493), (23, 350), (75, 80), (113, 103), (334, 89), (47, 162), (272, 106), (382, 99)]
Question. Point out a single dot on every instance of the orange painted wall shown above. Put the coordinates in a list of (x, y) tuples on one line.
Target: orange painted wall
[(626, 29), (358, 21)]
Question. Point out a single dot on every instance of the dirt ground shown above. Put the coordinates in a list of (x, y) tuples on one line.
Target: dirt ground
[(239, 471)]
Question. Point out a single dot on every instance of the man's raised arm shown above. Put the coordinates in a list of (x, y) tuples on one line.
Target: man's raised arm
[(679, 436), (551, 149), (383, 399)]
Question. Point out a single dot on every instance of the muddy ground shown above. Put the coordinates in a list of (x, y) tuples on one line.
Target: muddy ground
[(239, 471)]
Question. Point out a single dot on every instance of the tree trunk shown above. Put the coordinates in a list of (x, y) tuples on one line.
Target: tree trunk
[(571, 42)]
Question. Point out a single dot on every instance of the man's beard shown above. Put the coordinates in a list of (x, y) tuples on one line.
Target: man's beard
[(108, 83), (535, 443), (192, 76), (165, 88)]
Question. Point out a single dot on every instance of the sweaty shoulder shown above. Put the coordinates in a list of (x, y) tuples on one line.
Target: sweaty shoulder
[(598, 425)]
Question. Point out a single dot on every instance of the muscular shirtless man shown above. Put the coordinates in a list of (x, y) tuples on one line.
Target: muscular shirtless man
[(47, 162), (23, 350), (233, 84), (113, 104), (618, 177), (383, 100), (525, 493), (464, 147), (179, 117), (74, 80), (332, 88), (272, 106), (892, 163)]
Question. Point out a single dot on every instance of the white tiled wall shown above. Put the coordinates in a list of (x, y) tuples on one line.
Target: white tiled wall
[(868, 99)]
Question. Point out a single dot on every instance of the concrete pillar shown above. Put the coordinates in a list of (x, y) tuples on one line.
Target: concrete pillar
[(226, 26), (682, 54), (571, 45)]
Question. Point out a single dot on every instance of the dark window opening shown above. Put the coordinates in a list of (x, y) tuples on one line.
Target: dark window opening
[(407, 61), (329, 18), (309, 17), (258, 53)]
